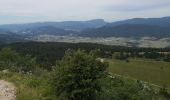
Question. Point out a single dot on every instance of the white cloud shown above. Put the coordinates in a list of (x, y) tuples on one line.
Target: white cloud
[(57, 10)]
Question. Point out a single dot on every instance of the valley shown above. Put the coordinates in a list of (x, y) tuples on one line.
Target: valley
[(118, 41)]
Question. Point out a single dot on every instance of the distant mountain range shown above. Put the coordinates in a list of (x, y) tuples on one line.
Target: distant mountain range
[(128, 30), (46, 30), (137, 27), (69, 25), (164, 21), (7, 36)]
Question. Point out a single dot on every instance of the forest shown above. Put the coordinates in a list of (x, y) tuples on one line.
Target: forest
[(47, 53)]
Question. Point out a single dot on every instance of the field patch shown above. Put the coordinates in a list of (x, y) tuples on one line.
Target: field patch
[(155, 72)]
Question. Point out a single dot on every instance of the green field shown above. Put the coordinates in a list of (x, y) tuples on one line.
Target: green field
[(155, 72)]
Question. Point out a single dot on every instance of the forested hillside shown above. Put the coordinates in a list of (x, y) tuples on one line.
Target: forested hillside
[(47, 53)]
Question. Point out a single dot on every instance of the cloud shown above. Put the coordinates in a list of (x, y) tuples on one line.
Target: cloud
[(59, 10), (137, 5)]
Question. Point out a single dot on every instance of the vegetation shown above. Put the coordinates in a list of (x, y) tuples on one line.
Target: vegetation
[(13, 61), (119, 88), (30, 87), (82, 74), (156, 72), (77, 75), (47, 53)]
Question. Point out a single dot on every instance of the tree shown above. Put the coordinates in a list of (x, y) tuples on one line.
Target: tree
[(167, 58), (120, 55), (77, 75), (10, 59), (8, 54)]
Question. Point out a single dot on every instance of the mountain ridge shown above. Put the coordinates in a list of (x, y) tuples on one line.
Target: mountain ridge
[(136, 27), (163, 21), (73, 25)]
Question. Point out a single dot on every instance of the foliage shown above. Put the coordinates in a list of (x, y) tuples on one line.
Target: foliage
[(30, 87), (77, 75), (167, 58), (164, 91), (13, 61), (47, 53), (120, 55), (117, 88)]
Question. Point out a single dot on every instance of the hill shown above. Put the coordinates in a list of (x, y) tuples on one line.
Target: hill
[(164, 21), (6, 36), (71, 25), (46, 30), (128, 30), (137, 27)]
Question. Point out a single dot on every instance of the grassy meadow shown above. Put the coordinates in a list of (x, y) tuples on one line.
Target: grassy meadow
[(155, 72)]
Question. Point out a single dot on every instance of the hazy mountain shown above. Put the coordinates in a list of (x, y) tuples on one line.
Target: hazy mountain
[(46, 30), (3, 31), (72, 25), (128, 30), (6, 36), (138, 27), (164, 21)]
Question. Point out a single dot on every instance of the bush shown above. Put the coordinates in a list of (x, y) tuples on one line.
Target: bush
[(118, 88), (163, 91), (120, 55), (11, 60), (167, 58), (77, 75)]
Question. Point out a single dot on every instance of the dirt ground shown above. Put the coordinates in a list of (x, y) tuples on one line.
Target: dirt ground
[(7, 91)]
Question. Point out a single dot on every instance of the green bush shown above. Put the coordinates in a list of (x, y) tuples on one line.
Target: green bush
[(77, 75), (122, 89), (13, 61)]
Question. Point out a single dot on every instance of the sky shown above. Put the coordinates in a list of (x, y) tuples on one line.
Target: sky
[(24, 11)]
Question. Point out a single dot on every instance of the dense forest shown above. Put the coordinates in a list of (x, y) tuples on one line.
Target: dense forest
[(47, 53)]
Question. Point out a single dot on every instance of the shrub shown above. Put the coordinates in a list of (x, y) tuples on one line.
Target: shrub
[(163, 91), (11, 60), (77, 75)]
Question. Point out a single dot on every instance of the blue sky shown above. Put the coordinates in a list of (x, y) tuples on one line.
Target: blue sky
[(22, 11)]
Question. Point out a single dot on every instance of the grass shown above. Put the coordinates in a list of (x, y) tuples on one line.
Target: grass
[(30, 87), (37, 87), (151, 71)]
